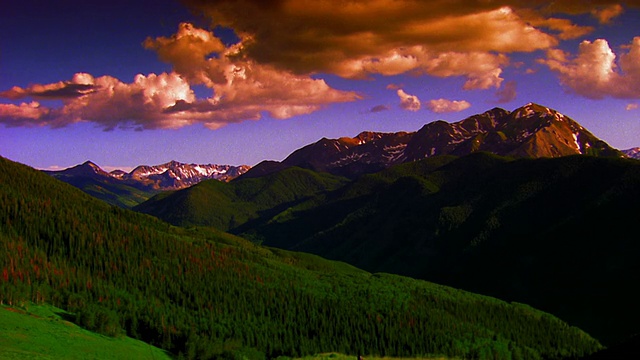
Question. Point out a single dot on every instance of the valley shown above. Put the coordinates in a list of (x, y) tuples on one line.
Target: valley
[(351, 245)]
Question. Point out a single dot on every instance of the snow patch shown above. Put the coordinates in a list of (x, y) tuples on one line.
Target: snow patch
[(575, 141)]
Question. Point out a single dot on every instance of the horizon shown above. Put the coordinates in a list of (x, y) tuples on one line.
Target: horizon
[(123, 84), (130, 169)]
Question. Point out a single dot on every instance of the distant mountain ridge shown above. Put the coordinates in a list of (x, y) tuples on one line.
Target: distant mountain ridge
[(530, 131), (169, 176), (129, 189), (633, 153)]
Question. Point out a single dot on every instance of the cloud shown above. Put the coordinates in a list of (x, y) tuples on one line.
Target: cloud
[(242, 90), (594, 73), (357, 39), (481, 69), (408, 102), (110, 103), (379, 108), (25, 114), (508, 93), (606, 14), (631, 107), (81, 84), (444, 105)]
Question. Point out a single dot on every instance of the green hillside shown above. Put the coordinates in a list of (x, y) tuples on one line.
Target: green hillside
[(227, 205), (41, 332), (555, 233), (110, 191), (199, 293)]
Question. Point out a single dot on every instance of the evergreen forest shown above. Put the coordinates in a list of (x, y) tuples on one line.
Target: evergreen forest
[(200, 293)]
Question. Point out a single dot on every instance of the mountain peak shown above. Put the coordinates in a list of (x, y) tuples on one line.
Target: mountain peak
[(532, 130), (170, 175)]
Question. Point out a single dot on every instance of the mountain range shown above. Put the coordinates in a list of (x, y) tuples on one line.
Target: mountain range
[(129, 189), (530, 131), (526, 206), (199, 293)]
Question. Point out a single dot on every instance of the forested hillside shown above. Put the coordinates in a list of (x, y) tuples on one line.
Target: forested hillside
[(228, 205), (558, 234), (202, 294)]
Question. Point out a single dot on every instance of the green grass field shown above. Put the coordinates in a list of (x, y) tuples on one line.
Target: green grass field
[(40, 332)]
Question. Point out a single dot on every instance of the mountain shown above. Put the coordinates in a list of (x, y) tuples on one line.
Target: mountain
[(633, 153), (129, 189), (556, 233), (227, 205), (553, 232), (203, 294), (175, 175), (529, 131)]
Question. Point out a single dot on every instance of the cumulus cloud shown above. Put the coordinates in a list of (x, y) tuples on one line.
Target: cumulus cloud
[(408, 102), (110, 103), (508, 93), (285, 45), (242, 90), (444, 105), (594, 72), (357, 39)]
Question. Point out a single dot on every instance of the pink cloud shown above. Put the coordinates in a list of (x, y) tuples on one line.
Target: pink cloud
[(408, 102), (594, 73), (110, 103), (444, 105), (242, 90)]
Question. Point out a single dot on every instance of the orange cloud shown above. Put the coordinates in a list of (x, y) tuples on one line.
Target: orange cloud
[(444, 105), (243, 88), (357, 39), (594, 73), (606, 14)]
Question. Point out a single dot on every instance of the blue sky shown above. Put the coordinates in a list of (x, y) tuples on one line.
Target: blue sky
[(126, 83)]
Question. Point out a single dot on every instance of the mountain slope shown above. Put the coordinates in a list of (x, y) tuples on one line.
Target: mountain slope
[(555, 233), (529, 131), (41, 332), (130, 189), (204, 294), (226, 205)]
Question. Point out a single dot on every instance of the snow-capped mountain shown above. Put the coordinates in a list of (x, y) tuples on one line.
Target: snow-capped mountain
[(529, 131), (633, 153), (170, 176), (176, 175)]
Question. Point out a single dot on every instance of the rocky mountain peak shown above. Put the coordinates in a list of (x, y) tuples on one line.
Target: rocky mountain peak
[(532, 130)]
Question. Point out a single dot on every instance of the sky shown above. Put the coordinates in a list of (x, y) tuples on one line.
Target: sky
[(127, 83)]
